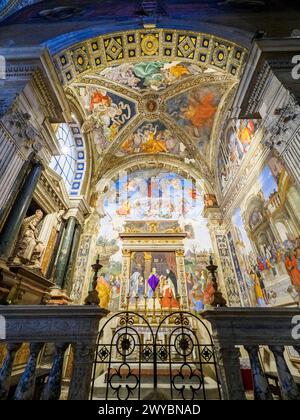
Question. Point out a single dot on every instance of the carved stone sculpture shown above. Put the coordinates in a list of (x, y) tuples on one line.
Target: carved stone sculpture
[(29, 248)]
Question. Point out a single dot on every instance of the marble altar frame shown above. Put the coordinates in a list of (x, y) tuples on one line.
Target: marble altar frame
[(153, 242)]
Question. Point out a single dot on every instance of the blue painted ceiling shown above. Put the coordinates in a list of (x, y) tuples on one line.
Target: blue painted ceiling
[(59, 24)]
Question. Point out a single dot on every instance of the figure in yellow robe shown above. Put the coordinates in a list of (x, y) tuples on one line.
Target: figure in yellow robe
[(153, 145), (103, 290)]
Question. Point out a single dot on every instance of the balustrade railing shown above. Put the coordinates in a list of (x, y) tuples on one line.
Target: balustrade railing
[(61, 325), (78, 326), (252, 328)]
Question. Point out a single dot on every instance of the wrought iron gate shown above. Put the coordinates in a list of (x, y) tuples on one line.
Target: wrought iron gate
[(170, 357)]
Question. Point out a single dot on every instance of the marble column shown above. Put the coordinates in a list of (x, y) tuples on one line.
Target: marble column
[(288, 387), (54, 257), (80, 384), (228, 364), (26, 385), (64, 254), (261, 386), (18, 212), (68, 284), (52, 389), (6, 369)]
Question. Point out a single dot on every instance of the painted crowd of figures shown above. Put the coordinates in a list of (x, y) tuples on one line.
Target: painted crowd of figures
[(162, 287), (268, 264)]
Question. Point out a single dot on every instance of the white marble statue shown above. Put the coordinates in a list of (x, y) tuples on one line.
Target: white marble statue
[(29, 248)]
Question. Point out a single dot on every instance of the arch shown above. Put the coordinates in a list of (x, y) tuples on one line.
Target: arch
[(162, 160), (78, 116), (148, 44), (71, 163)]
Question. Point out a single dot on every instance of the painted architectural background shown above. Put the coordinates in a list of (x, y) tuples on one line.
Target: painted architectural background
[(266, 234), (154, 195)]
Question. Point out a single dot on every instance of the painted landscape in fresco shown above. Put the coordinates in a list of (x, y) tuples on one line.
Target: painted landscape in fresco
[(151, 137), (107, 113), (195, 112), (234, 145), (266, 234), (154, 75), (154, 195)]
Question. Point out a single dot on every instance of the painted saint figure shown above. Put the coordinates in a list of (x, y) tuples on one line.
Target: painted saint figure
[(153, 282), (29, 247), (168, 299), (173, 280), (104, 292), (136, 287), (291, 265)]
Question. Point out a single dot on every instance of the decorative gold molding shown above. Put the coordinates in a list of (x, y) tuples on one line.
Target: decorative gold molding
[(162, 44)]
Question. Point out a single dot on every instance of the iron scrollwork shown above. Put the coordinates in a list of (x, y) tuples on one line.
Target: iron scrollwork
[(170, 355)]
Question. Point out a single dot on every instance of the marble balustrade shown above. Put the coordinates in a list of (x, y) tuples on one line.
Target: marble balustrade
[(78, 326), (61, 325), (252, 328)]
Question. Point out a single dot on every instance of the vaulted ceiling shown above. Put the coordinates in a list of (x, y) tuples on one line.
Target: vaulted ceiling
[(62, 23), (152, 92)]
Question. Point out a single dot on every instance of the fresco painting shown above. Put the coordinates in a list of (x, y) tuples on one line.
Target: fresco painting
[(149, 195), (154, 75), (151, 137), (107, 113), (234, 145), (154, 275), (195, 112), (267, 240)]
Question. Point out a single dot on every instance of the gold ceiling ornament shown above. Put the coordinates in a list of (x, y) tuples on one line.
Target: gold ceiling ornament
[(97, 53), (150, 44), (221, 62)]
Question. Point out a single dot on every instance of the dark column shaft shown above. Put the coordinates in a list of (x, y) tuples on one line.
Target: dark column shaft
[(64, 254), (17, 214)]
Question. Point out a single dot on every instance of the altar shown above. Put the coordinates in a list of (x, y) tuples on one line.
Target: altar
[(153, 269)]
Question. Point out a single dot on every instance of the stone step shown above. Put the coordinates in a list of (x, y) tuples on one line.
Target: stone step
[(100, 388)]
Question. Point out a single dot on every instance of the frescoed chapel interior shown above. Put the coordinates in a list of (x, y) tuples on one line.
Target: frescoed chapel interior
[(149, 169)]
